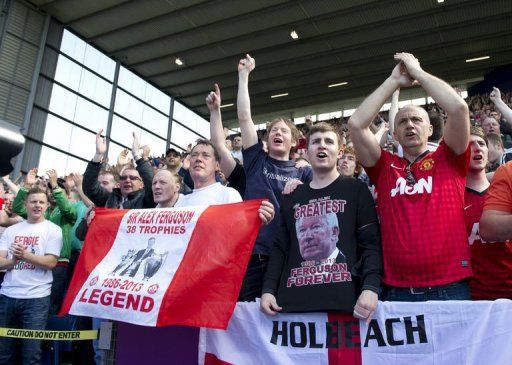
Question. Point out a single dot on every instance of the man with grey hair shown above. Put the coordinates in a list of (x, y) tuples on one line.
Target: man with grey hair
[(317, 236)]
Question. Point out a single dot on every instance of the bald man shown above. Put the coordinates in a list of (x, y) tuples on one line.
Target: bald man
[(421, 195), (166, 187)]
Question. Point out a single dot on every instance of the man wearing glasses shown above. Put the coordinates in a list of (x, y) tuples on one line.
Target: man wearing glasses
[(420, 195), (134, 190)]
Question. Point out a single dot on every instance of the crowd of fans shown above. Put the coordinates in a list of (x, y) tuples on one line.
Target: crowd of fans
[(374, 148)]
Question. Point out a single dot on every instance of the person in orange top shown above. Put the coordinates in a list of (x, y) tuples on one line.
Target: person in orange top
[(496, 222)]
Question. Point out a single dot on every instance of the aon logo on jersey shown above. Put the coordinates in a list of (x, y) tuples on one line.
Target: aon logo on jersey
[(422, 186), (475, 235)]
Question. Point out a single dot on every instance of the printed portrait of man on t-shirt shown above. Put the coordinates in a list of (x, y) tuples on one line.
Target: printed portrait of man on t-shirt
[(318, 236)]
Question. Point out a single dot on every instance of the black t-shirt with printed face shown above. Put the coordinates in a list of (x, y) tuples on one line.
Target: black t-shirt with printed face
[(327, 250)]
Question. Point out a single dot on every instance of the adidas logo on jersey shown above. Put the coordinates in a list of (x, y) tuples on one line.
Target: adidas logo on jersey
[(422, 186)]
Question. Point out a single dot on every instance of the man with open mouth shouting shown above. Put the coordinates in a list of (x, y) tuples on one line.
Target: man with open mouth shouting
[(421, 195), (266, 174)]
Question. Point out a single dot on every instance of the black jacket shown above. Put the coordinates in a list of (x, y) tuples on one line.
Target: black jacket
[(142, 198)]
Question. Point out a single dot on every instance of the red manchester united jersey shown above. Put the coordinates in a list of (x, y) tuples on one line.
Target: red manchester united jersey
[(491, 261), (421, 213)]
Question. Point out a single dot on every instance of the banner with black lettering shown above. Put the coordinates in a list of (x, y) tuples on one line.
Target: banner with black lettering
[(433, 333), (157, 267)]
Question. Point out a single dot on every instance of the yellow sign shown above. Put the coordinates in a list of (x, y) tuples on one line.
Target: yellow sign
[(49, 335)]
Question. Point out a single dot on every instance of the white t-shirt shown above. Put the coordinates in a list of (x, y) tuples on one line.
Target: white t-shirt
[(25, 281), (210, 195), (160, 207)]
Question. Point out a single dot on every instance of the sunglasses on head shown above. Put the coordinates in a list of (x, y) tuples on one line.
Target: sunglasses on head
[(131, 177)]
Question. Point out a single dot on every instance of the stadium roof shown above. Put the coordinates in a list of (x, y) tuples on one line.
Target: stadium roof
[(338, 41)]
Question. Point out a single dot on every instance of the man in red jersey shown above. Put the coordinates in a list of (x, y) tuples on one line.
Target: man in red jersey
[(421, 195), (491, 261)]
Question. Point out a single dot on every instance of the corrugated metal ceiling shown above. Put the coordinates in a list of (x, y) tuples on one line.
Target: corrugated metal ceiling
[(340, 40)]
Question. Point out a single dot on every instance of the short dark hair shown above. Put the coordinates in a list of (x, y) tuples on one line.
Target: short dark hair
[(173, 151), (109, 172), (322, 127), (206, 142)]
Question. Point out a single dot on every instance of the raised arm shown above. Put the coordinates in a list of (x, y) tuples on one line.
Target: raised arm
[(67, 210), (145, 170), (92, 189), (502, 107), (78, 180), (456, 129), (18, 205), (101, 147), (243, 102), (381, 134), (12, 186), (227, 161), (393, 110), (368, 149)]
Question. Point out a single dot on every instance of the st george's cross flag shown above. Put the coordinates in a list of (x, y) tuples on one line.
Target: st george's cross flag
[(159, 267), (426, 333)]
